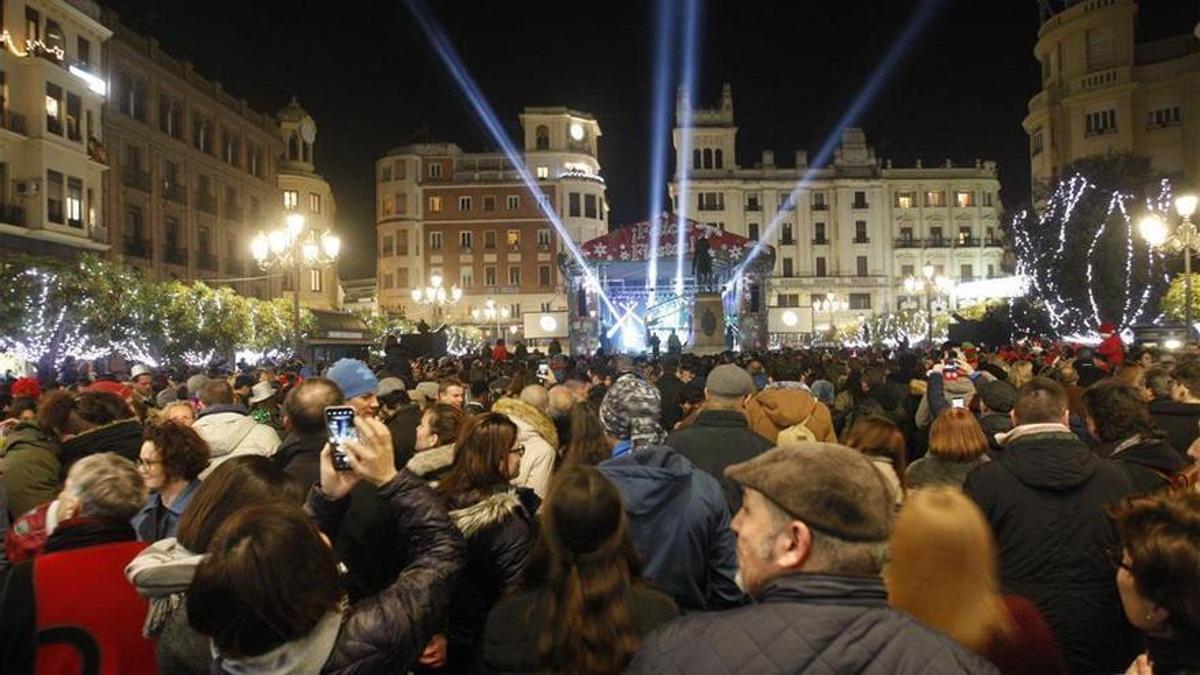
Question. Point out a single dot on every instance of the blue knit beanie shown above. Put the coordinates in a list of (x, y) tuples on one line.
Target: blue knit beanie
[(353, 377)]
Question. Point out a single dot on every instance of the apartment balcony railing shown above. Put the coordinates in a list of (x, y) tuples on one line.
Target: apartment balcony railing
[(819, 241), (820, 207), (175, 192), (14, 122), (908, 242), (968, 242), (862, 240), (935, 242), (135, 177), (12, 214), (993, 242), (754, 207)]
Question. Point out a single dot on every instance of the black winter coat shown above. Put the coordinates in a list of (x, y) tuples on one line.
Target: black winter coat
[(500, 530), (1150, 463), (717, 439), (403, 426), (300, 456), (1046, 497), (806, 623), (387, 632), (1181, 421), (670, 388)]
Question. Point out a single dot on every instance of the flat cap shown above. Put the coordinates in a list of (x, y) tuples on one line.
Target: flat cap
[(729, 381)]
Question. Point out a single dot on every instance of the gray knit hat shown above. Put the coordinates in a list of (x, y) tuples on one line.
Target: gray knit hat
[(630, 411)]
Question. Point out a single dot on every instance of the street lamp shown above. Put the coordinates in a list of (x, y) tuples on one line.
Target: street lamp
[(931, 285), (285, 248), (435, 294), (830, 304), (491, 312), (1157, 233)]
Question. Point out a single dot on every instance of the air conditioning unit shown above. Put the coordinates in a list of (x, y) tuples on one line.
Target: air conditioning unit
[(26, 188)]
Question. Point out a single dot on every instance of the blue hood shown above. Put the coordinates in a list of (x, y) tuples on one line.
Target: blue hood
[(649, 478)]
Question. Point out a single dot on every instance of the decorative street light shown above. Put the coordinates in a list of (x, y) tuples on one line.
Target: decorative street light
[(435, 294), (1157, 232), (931, 286), (830, 304), (491, 312), (286, 248)]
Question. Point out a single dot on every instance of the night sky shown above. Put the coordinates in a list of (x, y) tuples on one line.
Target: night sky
[(368, 77)]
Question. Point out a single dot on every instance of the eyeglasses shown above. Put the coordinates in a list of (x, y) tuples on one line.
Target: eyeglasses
[(147, 463), (519, 451)]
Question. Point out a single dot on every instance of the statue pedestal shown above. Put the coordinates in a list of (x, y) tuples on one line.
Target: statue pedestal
[(708, 324)]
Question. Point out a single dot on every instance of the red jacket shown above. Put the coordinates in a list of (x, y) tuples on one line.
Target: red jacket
[(1112, 350)]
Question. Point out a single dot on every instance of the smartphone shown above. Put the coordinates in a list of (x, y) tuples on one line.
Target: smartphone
[(543, 371), (957, 402), (339, 419)]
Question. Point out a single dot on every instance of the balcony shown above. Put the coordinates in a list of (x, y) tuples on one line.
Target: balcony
[(232, 212), (134, 177), (754, 207), (820, 241), (175, 192), (206, 261), (12, 214), (176, 256), (967, 242), (860, 205), (820, 207), (908, 242), (14, 122), (97, 152), (206, 203), (137, 248), (862, 240), (787, 241), (937, 242), (992, 242)]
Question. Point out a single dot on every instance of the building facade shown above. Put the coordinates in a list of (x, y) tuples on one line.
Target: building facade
[(307, 193), (469, 218), (856, 228), (52, 159), (194, 169), (1102, 91)]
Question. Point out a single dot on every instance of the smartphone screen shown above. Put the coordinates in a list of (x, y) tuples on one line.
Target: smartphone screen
[(957, 402), (339, 419), (543, 370)]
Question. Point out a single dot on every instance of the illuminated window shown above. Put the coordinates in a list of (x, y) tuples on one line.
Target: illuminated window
[(905, 200), (388, 207), (74, 202), (291, 199), (964, 198), (543, 172), (54, 94), (435, 204), (314, 281), (314, 202), (935, 198), (514, 240)]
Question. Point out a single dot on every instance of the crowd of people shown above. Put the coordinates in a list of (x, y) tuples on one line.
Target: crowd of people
[(1030, 508)]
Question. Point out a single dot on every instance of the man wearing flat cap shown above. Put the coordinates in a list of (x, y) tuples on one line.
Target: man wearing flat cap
[(811, 540)]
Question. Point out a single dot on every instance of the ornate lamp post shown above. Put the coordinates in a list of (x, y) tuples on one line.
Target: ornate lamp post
[(285, 248), (436, 295), (491, 312), (1185, 239), (931, 285), (831, 304)]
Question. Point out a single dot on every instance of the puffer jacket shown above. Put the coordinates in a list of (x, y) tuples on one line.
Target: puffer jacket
[(775, 409), (806, 623), (1046, 498), (500, 530), (1150, 462), (230, 432), (30, 467), (536, 432)]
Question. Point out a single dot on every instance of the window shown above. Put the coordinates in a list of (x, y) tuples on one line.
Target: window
[(905, 200), (1101, 48), (860, 301), (696, 158), (514, 310), (514, 276), (860, 200), (171, 228), (860, 232), (819, 233), (788, 300), (230, 149), (133, 225), (818, 201), (708, 158), (402, 243), (75, 202), (573, 208), (201, 133), (465, 239), (1163, 117), (388, 206), (907, 271), (83, 51), (785, 236), (718, 158), (1037, 142), (711, 201), (489, 276), (991, 271), (513, 237), (489, 203), (788, 270), (401, 170), (314, 281), (54, 95), (314, 202), (402, 277), (752, 231), (544, 275), (91, 208), (513, 202), (387, 245), (489, 240), (542, 137), (543, 239), (939, 270), (546, 307), (54, 197), (291, 199), (401, 203), (435, 241), (435, 204), (786, 202), (966, 272), (987, 198), (435, 170), (464, 203), (74, 110), (861, 265), (820, 260), (387, 281), (906, 234), (33, 24), (1100, 122), (964, 235), (589, 206), (170, 118), (543, 172), (385, 174), (964, 198), (254, 159), (935, 198)]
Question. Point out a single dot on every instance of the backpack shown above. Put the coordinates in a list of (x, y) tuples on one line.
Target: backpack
[(1186, 478), (797, 433)]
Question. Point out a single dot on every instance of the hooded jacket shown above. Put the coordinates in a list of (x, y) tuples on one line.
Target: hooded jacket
[(433, 463), (1046, 498), (230, 432), (1149, 462), (803, 623), (32, 470), (775, 409), (536, 432), (1180, 420), (679, 523)]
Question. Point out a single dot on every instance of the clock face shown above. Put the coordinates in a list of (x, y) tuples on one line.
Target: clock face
[(308, 131), (576, 131)]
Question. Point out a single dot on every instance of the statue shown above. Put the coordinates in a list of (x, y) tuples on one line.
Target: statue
[(702, 264)]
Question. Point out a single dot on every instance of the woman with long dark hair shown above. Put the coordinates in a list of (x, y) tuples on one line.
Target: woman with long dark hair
[(588, 445), (496, 519), (582, 608)]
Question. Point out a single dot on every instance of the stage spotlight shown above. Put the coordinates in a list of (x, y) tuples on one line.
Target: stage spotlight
[(691, 33), (483, 110), (660, 118), (865, 96)]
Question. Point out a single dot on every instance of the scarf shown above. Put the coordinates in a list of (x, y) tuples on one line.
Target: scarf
[(1004, 438), (162, 574)]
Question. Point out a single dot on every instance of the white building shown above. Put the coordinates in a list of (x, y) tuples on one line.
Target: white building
[(51, 154), (856, 228)]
